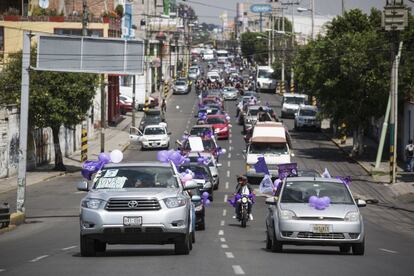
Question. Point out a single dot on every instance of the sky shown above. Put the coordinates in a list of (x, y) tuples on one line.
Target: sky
[(209, 10)]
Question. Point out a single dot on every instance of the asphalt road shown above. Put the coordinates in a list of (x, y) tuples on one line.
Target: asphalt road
[(49, 243)]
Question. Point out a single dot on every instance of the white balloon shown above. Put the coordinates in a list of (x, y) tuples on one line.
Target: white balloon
[(178, 107), (116, 156)]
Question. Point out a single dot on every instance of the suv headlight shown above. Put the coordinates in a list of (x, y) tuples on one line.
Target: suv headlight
[(174, 202), (92, 203), (352, 216), (287, 215)]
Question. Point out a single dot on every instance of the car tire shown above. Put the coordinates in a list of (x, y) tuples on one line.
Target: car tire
[(168, 146), (344, 248), (193, 238), (87, 247), (277, 246), (182, 245), (268, 241), (358, 248)]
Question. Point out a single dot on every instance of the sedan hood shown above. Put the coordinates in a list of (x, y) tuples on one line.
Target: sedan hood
[(158, 193), (305, 210), (156, 137)]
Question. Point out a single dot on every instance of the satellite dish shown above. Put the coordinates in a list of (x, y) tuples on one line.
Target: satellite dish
[(44, 4)]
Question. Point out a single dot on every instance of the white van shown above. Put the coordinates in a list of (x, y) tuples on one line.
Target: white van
[(269, 140), (207, 54), (291, 104), (222, 56), (264, 79)]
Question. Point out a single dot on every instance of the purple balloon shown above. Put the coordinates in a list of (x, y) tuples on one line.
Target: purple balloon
[(312, 200), (162, 156), (206, 202), (104, 157), (187, 160), (200, 160), (326, 200), (205, 195)]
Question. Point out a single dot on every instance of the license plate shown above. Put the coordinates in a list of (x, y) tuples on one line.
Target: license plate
[(320, 228), (132, 221)]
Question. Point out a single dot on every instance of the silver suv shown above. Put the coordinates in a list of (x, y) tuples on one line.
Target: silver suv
[(136, 203)]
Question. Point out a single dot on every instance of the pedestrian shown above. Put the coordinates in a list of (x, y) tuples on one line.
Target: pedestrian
[(409, 156), (164, 106)]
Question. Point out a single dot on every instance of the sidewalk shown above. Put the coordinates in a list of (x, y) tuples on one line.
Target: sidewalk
[(115, 138), (401, 194)]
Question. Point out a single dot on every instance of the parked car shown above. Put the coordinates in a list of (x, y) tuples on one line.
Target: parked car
[(291, 103), (125, 104), (136, 203), (212, 165), (181, 87), (153, 137), (202, 177), (220, 124), (292, 219), (306, 117)]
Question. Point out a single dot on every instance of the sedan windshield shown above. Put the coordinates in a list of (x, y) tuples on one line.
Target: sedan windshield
[(152, 119), (135, 177), (300, 192), (179, 83), (154, 131), (268, 148)]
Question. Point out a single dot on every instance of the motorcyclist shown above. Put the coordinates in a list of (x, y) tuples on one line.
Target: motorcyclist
[(243, 188)]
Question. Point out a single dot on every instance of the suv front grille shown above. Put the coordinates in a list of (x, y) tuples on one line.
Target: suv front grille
[(132, 204)]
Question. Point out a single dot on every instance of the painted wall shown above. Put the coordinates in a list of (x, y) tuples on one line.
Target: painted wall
[(9, 141)]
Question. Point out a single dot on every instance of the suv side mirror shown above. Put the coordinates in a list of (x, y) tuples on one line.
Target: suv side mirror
[(83, 186), (195, 198), (361, 203)]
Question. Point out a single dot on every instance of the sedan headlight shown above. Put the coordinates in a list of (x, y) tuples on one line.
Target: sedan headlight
[(92, 203), (287, 215), (174, 202), (352, 216)]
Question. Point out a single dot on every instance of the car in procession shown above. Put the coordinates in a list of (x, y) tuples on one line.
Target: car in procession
[(153, 137), (306, 117), (136, 203), (315, 211), (220, 124)]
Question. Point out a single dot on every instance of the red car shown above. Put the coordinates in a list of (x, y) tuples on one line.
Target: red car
[(212, 100), (125, 104), (220, 124)]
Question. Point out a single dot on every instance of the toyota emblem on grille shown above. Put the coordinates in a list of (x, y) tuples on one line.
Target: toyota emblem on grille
[(133, 204)]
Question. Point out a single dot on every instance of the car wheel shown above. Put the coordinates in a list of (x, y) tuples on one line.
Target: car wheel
[(268, 241), (358, 248), (100, 246), (216, 186), (277, 246), (182, 245), (87, 247), (193, 239), (344, 248), (168, 146)]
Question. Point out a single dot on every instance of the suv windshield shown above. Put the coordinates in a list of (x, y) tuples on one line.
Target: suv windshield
[(253, 112), (154, 131), (272, 148), (300, 192), (194, 159), (200, 172), (265, 74), (294, 100), (307, 112), (135, 177)]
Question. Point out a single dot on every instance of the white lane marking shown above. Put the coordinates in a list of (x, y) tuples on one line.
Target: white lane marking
[(229, 156), (229, 163), (224, 212), (238, 270), (227, 185), (230, 134), (230, 141), (230, 148), (228, 173), (229, 255), (223, 239), (225, 198), (68, 248), (38, 258), (220, 232), (224, 246), (388, 251), (222, 223), (79, 192), (2, 270)]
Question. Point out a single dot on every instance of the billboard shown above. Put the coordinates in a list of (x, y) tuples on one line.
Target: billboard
[(90, 55), (261, 8)]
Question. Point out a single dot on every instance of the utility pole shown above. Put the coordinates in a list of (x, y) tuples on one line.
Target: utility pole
[(103, 113), (133, 100), (313, 17), (85, 125), (343, 7), (24, 118), (84, 18), (283, 55), (292, 72)]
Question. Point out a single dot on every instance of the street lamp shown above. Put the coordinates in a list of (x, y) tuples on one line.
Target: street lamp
[(312, 10)]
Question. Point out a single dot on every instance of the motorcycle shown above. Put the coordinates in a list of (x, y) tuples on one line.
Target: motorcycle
[(244, 200)]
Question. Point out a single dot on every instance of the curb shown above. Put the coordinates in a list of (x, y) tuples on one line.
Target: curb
[(7, 229), (17, 218)]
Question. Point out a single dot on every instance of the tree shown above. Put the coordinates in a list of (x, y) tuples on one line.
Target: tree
[(348, 71), (254, 46), (56, 98)]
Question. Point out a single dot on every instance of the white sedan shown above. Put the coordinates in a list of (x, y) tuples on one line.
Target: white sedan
[(153, 137)]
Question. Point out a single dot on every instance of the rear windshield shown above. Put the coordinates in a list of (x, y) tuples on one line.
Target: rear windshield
[(198, 131), (294, 100), (266, 148), (307, 112), (300, 192), (135, 177), (216, 120)]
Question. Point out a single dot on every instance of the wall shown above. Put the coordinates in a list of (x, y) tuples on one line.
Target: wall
[(9, 141), (408, 125)]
